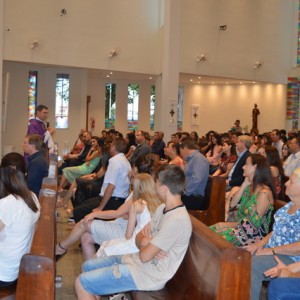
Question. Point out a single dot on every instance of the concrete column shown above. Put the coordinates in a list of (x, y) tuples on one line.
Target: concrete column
[(144, 106), (167, 83), (121, 107)]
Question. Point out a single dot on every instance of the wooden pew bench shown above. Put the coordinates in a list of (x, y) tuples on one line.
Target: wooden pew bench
[(37, 269), (212, 269), (215, 199)]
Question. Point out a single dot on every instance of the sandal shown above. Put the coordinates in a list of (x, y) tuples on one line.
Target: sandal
[(69, 212), (59, 256), (59, 203)]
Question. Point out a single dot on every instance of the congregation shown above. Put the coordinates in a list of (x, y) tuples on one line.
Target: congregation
[(130, 198), (256, 168)]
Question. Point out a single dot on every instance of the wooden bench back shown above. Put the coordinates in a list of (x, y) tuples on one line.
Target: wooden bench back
[(215, 199), (211, 269)]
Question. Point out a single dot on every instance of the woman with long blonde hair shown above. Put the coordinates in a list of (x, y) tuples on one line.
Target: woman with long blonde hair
[(144, 204)]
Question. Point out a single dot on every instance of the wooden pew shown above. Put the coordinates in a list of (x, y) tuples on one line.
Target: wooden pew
[(215, 199), (212, 269)]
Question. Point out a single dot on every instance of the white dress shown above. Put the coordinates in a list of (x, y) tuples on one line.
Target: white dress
[(122, 246), (102, 230)]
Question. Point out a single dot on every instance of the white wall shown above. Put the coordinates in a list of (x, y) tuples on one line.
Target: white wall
[(256, 30), (84, 36), (221, 105), (18, 102)]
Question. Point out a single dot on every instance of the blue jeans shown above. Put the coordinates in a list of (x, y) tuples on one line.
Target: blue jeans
[(284, 289), (106, 275), (260, 264)]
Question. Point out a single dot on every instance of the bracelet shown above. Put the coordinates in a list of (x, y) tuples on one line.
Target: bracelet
[(273, 251)]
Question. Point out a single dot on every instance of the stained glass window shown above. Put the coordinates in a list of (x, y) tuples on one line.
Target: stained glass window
[(180, 108), (32, 93), (62, 101), (292, 107), (110, 105), (152, 107), (133, 106)]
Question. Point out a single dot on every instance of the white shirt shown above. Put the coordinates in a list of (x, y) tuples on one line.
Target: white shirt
[(279, 146), (16, 236), (292, 163), (117, 174)]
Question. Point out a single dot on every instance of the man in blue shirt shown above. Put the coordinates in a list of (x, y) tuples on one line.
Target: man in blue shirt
[(37, 163), (196, 172)]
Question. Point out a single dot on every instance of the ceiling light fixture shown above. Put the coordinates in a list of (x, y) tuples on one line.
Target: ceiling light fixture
[(112, 53), (257, 64), (34, 44), (202, 57)]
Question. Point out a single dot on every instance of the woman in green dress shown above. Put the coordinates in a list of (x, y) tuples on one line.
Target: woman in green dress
[(254, 202), (91, 162)]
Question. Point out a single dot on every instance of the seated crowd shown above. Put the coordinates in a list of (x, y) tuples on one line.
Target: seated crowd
[(143, 187)]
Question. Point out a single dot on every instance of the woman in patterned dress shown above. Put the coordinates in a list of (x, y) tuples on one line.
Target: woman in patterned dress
[(281, 248), (255, 204)]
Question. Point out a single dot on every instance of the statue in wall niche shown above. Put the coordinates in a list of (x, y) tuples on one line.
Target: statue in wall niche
[(255, 113)]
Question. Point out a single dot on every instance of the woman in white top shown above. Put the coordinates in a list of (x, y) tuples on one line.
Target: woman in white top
[(144, 204), (19, 211)]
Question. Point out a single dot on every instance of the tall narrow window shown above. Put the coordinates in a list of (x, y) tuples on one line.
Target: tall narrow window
[(133, 106), (180, 108), (62, 101), (152, 107), (292, 107), (110, 105), (32, 93), (298, 48)]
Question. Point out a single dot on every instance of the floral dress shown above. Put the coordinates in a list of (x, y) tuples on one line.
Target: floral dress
[(286, 229), (251, 226)]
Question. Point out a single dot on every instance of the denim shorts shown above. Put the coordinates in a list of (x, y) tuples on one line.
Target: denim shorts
[(106, 275)]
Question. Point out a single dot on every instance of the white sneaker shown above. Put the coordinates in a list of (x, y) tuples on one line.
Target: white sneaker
[(120, 296)]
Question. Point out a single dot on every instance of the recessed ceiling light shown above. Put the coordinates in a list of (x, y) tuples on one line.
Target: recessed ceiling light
[(199, 77), (111, 73), (253, 82), (107, 76), (191, 80), (150, 78)]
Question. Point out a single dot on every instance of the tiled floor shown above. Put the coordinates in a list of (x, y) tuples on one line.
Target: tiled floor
[(69, 266)]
